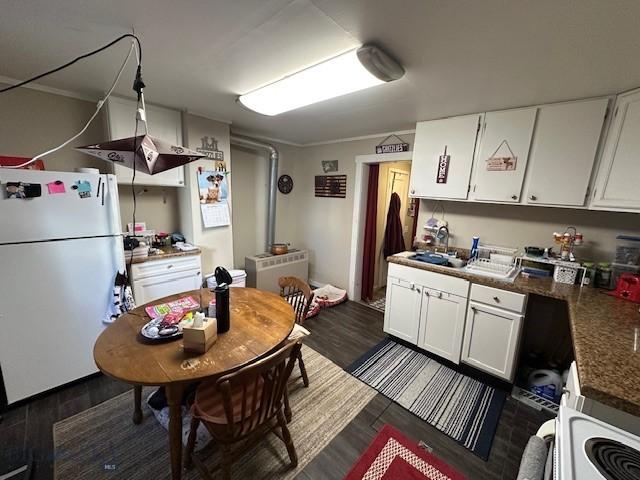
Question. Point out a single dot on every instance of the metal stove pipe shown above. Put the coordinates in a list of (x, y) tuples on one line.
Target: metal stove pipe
[(273, 180)]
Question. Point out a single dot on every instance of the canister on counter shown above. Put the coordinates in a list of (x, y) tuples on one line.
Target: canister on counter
[(603, 275), (590, 273)]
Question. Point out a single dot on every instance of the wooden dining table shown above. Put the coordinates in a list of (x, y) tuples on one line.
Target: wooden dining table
[(260, 322)]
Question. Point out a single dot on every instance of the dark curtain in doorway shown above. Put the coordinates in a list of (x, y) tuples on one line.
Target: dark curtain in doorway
[(369, 253), (393, 239)]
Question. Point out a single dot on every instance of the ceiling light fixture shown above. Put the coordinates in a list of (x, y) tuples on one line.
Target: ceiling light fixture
[(349, 72)]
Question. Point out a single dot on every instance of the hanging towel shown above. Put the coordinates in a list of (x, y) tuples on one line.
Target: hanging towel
[(393, 239)]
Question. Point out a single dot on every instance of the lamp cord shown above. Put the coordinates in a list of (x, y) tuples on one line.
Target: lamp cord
[(84, 129), (77, 59)]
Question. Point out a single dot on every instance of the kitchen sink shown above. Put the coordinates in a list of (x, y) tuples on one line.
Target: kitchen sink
[(440, 259)]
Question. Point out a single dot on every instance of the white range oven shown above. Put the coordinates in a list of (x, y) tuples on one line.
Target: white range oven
[(585, 448)]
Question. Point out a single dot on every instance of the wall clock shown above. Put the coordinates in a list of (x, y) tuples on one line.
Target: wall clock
[(285, 184)]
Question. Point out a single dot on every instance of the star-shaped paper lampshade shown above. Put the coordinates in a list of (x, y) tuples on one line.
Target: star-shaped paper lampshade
[(152, 154)]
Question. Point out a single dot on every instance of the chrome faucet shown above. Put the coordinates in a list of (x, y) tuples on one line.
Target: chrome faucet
[(446, 237)]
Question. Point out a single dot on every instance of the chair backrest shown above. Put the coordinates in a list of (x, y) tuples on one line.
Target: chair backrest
[(253, 395), (298, 293)]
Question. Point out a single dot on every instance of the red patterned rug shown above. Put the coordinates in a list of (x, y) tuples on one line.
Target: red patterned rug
[(392, 456)]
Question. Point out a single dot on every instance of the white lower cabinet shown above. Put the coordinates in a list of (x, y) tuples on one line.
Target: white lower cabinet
[(442, 323), (426, 309), (491, 339), (402, 312), (159, 278)]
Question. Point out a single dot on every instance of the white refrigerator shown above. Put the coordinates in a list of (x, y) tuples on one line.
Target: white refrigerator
[(59, 254)]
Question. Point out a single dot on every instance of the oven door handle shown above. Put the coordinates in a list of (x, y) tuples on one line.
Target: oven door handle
[(547, 430)]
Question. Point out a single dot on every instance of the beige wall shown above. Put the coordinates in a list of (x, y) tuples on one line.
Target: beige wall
[(216, 243), (33, 122), (251, 177), (519, 226), (324, 224)]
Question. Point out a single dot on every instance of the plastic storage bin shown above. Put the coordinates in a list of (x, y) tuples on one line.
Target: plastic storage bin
[(627, 250), (562, 274), (239, 279)]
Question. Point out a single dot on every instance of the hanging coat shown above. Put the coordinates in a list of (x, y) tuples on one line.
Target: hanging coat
[(393, 239)]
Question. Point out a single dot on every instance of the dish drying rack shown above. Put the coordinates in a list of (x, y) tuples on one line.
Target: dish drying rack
[(496, 262)]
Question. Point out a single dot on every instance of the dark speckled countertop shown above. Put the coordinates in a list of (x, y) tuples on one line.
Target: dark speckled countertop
[(605, 332)]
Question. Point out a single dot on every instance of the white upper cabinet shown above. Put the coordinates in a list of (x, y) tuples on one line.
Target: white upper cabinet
[(563, 152), (163, 123), (618, 181), (442, 157), (502, 155)]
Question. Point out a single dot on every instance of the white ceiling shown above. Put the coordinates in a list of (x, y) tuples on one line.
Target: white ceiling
[(461, 56)]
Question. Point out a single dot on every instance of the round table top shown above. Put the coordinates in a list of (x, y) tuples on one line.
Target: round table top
[(260, 321)]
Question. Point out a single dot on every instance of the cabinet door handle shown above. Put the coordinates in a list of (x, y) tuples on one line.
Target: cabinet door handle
[(413, 286), (169, 266), (418, 290), (496, 299), (473, 308), (439, 294), (426, 292), (514, 197), (533, 197)]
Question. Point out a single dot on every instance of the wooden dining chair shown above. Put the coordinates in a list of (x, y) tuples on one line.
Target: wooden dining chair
[(244, 406), (299, 294)]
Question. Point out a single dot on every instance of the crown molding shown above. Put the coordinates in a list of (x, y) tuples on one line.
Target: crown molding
[(247, 133), (43, 88), (362, 137)]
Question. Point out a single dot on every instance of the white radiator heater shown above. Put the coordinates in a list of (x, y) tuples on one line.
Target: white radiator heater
[(263, 270)]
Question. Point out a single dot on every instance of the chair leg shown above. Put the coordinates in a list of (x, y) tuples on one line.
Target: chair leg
[(287, 407), (303, 370), (286, 437), (191, 442), (137, 404), (226, 461)]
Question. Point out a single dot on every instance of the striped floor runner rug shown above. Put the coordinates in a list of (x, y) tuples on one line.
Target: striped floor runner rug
[(465, 409)]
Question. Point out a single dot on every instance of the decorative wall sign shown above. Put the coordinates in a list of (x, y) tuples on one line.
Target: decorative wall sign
[(285, 184), (384, 147), (329, 166), (443, 167), (334, 186), (210, 148), (502, 164)]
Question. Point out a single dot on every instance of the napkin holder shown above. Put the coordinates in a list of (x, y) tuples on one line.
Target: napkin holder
[(200, 339)]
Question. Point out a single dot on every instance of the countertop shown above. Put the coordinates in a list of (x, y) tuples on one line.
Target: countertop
[(605, 332), (167, 252)]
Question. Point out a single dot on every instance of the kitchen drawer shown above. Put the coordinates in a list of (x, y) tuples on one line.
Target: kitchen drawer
[(152, 268), (444, 283), (498, 298)]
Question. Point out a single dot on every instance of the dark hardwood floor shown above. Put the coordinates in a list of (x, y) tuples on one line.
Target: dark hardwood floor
[(342, 334)]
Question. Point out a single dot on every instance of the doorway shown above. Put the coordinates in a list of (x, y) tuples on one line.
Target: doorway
[(392, 177)]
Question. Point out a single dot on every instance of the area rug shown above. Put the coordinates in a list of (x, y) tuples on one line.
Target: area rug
[(392, 456), (464, 408), (102, 442)]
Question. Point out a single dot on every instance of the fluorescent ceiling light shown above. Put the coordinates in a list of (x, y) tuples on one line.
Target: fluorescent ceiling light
[(349, 72)]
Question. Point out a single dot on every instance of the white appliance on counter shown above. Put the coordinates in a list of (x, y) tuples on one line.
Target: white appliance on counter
[(589, 449), (59, 255), (263, 270)]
